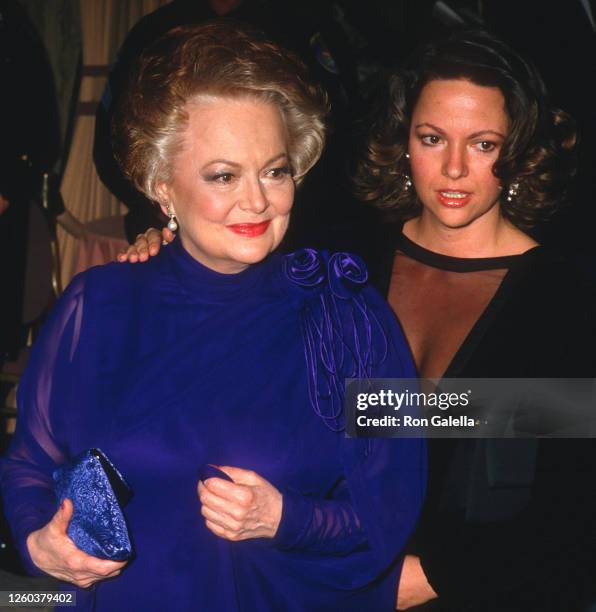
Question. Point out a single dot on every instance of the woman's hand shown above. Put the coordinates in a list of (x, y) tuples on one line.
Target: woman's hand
[(249, 507), (414, 589), (147, 245), (55, 553)]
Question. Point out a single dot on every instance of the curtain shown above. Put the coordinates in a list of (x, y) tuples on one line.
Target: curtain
[(104, 25)]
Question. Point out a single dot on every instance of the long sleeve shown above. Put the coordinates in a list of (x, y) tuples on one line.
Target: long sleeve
[(26, 469), (366, 526), (387, 476), (367, 519), (323, 526)]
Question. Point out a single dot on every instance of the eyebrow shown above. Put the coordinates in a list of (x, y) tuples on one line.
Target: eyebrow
[(474, 135), (237, 165)]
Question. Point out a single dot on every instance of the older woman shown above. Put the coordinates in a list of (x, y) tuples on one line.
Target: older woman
[(467, 153), (220, 352)]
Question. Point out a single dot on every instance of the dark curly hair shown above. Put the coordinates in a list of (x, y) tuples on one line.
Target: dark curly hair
[(538, 153)]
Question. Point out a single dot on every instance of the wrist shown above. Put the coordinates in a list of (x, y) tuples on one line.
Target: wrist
[(277, 513), (296, 513), (31, 553), (31, 544)]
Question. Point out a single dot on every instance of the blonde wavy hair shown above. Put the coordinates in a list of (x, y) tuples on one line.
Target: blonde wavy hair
[(220, 59)]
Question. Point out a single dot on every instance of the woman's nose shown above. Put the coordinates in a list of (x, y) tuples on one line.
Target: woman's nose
[(455, 164), (255, 198)]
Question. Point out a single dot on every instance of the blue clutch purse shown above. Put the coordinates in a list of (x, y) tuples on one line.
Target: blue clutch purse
[(98, 492)]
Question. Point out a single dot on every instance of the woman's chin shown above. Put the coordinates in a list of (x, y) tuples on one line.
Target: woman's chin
[(465, 216), (252, 253), (231, 257)]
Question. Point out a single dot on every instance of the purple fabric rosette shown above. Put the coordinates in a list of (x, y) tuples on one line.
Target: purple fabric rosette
[(347, 275), (305, 268)]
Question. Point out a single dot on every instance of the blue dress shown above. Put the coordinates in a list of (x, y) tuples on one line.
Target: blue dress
[(169, 366)]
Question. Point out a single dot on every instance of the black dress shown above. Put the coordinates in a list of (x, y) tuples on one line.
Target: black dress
[(523, 540)]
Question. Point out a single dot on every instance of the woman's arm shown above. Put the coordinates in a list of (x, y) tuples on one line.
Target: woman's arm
[(26, 470), (361, 526), (251, 507)]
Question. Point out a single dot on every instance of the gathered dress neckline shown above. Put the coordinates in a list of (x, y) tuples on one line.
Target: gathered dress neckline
[(207, 285)]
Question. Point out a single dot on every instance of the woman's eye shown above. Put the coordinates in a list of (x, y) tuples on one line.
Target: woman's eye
[(430, 139), (486, 146), (221, 177), (278, 172)]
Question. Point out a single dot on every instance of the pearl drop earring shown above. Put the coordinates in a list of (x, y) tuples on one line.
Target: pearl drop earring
[(172, 224)]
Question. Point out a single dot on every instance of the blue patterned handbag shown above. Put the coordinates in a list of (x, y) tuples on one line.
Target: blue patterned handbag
[(98, 492)]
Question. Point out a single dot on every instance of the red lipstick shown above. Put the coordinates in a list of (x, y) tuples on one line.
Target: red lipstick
[(250, 229), (453, 198)]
